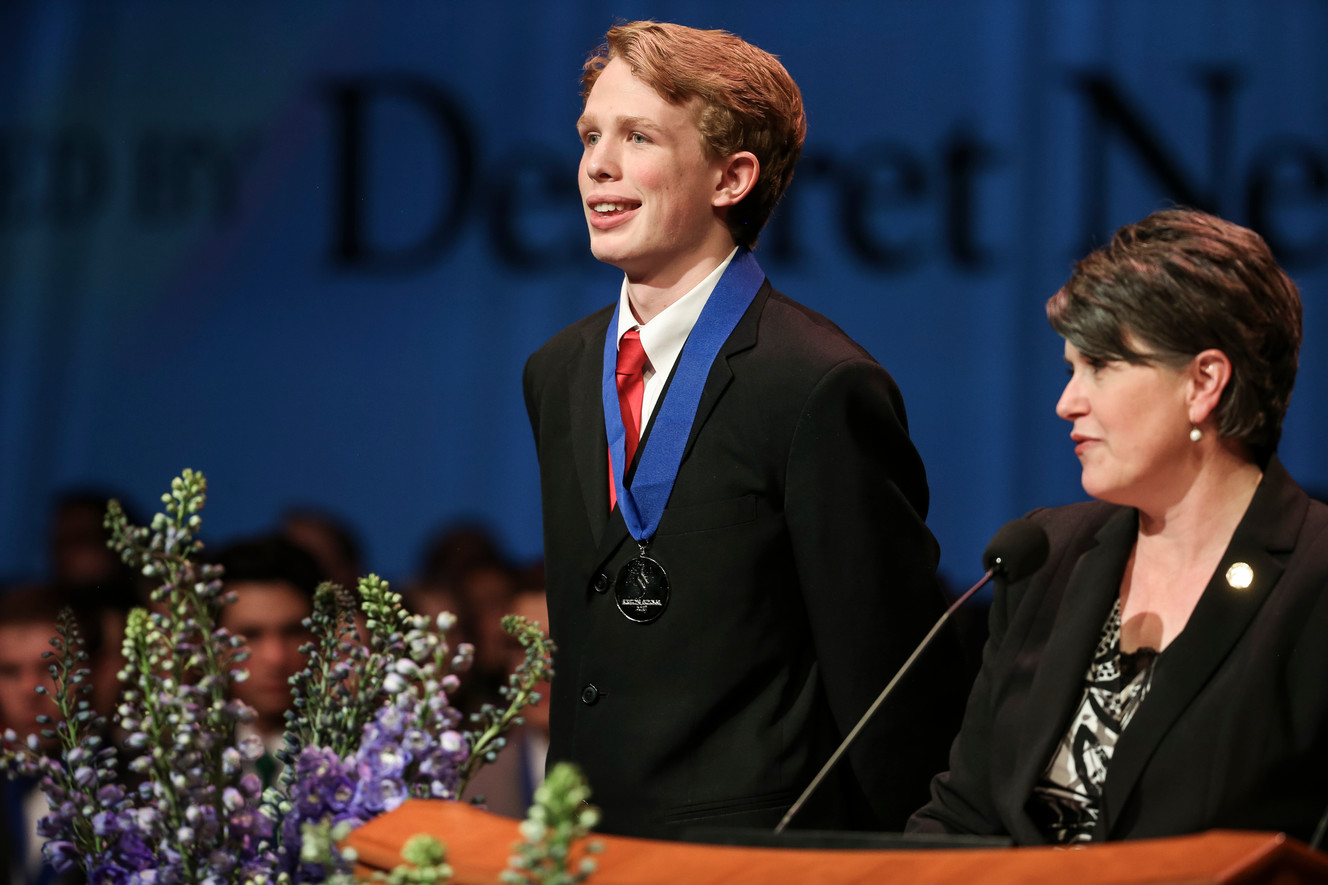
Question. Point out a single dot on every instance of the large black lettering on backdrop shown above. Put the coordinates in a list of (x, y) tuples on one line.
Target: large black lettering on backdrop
[(1292, 174), (963, 156), (59, 179), (532, 225), (883, 195), (882, 182), (535, 224), (354, 245), (71, 176), (891, 203), (1284, 171), (177, 174)]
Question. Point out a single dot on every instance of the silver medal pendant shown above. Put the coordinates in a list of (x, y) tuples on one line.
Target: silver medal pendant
[(642, 589)]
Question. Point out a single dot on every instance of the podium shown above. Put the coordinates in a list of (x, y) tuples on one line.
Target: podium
[(479, 843)]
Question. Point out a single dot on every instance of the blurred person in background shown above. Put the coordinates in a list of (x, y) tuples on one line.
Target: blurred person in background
[(92, 577), (79, 555), (330, 540), (508, 785), (274, 582), (431, 598), (487, 591), (465, 572), (28, 619), (456, 548)]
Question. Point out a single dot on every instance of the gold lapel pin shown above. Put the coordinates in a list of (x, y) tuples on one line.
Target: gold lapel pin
[(1240, 576)]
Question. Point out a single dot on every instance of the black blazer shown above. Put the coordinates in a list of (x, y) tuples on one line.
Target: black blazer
[(1234, 731), (802, 575)]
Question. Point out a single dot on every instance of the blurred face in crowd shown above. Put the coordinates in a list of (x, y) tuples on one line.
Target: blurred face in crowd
[(319, 540), (488, 591), (78, 547), (21, 671), (269, 615)]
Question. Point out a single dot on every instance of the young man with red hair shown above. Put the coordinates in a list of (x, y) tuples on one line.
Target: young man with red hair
[(733, 511)]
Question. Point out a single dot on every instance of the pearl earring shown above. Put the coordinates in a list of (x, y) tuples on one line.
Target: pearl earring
[(1195, 434)]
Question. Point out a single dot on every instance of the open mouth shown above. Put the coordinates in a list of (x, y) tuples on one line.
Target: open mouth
[(608, 210)]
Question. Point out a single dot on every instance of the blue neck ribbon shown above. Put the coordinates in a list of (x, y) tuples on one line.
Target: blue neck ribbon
[(660, 456)]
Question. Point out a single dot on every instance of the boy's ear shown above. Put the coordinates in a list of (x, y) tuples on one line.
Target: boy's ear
[(737, 176)]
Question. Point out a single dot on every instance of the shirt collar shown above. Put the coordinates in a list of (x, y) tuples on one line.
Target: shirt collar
[(665, 334)]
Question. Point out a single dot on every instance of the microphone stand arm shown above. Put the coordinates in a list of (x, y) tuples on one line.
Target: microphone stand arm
[(908, 664)]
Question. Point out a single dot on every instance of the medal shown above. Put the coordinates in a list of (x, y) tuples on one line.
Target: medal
[(642, 589)]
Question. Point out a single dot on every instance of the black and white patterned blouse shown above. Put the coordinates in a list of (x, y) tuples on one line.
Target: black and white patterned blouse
[(1066, 802)]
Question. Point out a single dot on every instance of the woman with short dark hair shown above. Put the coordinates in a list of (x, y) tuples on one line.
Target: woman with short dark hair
[(1178, 283), (1164, 671)]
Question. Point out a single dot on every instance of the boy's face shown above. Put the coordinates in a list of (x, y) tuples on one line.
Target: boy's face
[(648, 182)]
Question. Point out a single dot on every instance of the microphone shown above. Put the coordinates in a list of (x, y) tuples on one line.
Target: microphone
[(1017, 550)]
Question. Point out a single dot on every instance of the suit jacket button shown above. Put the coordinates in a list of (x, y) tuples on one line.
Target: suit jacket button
[(589, 694), (600, 583)]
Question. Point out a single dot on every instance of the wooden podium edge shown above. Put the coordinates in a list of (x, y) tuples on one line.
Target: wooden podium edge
[(1281, 859), (479, 844)]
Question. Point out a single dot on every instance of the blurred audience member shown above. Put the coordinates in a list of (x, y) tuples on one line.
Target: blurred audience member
[(105, 608), (27, 624), (77, 543), (487, 591), (465, 569), (457, 549), (431, 599), (508, 785), (28, 616), (273, 581), (330, 540), (93, 579)]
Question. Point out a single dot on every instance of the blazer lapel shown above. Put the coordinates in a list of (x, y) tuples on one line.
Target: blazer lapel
[(590, 445), (741, 339), (1223, 613), (1058, 684)]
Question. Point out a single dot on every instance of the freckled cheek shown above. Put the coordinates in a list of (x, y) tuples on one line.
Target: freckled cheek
[(653, 180)]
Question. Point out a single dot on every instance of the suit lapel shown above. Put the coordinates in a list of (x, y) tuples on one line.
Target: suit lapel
[(1223, 613), (1058, 684), (742, 339), (589, 442)]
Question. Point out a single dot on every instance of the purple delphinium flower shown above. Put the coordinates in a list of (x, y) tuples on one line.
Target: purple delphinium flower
[(371, 726)]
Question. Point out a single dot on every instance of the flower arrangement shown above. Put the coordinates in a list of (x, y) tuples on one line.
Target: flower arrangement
[(371, 725)]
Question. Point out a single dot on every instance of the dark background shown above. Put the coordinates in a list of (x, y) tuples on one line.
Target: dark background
[(305, 248)]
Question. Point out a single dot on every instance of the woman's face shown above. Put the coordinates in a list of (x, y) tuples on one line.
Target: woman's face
[(1131, 428)]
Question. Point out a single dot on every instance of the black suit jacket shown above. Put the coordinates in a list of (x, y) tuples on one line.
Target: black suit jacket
[(802, 575), (1234, 731)]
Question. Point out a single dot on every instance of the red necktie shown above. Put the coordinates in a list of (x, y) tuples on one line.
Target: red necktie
[(631, 390)]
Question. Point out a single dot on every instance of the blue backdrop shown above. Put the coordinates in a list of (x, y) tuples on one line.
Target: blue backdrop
[(306, 248)]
